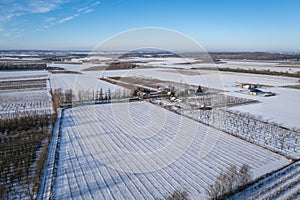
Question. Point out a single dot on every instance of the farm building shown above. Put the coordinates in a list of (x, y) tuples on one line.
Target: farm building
[(247, 86), (255, 91), (143, 95)]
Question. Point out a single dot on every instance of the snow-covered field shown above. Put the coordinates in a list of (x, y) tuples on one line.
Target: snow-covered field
[(170, 62), (73, 67), (284, 184), (24, 91), (209, 78), (188, 63), (85, 81), (261, 65), (283, 109), (97, 139), (13, 75), (142, 151), (270, 136), (25, 101)]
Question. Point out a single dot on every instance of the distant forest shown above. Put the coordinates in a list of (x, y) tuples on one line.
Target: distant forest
[(255, 56)]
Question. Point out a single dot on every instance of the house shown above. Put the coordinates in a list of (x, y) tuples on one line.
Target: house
[(171, 94), (204, 107), (191, 91), (160, 89), (247, 86), (143, 95), (255, 91)]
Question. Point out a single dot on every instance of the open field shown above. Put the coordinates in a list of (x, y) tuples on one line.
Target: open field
[(81, 82), (92, 164), (24, 93)]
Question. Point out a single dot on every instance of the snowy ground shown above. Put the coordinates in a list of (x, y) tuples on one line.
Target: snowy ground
[(214, 79), (106, 155), (281, 109), (73, 67), (82, 170), (278, 66), (284, 184), (21, 101), (22, 74), (256, 131), (24, 91), (86, 81), (187, 63)]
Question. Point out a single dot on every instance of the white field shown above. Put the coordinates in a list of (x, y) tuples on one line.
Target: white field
[(172, 62), (180, 62), (86, 81), (214, 79), (141, 151), (167, 62), (261, 65), (284, 184), (73, 67), (267, 135), (25, 99), (17, 75), (283, 109)]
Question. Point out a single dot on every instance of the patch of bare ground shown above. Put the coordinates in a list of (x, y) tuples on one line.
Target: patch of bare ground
[(95, 68), (64, 72), (189, 72), (292, 86)]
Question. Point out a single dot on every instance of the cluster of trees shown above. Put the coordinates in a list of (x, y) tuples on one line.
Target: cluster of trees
[(21, 84), (245, 126), (218, 100), (121, 65), (24, 141), (255, 71), (229, 181), (140, 89), (24, 121), (22, 66), (178, 195), (60, 97), (255, 56)]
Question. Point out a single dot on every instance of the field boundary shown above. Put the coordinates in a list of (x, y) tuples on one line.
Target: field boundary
[(47, 179)]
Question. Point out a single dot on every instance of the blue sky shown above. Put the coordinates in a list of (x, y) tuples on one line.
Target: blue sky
[(218, 25)]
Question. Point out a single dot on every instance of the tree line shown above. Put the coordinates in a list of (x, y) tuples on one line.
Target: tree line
[(24, 140), (229, 181), (8, 66), (64, 97)]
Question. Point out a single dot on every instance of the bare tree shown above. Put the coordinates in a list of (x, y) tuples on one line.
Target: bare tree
[(227, 182), (244, 175), (69, 96), (178, 195)]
